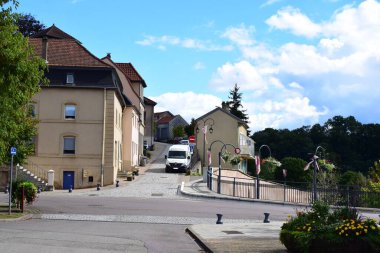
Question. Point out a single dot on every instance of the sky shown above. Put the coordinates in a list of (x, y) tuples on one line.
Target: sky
[(297, 62)]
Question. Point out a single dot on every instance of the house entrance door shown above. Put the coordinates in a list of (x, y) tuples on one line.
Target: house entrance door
[(68, 180)]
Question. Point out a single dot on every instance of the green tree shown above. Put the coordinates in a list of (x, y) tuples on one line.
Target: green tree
[(374, 173), (352, 178), (28, 25), (21, 73), (178, 131), (234, 104), (295, 170), (189, 129)]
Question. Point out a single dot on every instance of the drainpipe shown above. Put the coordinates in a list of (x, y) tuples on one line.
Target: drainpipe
[(104, 137)]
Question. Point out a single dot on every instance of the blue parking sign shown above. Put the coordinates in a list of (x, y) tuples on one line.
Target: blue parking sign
[(13, 150)]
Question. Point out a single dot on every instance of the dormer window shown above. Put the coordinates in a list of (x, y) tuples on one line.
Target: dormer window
[(69, 78)]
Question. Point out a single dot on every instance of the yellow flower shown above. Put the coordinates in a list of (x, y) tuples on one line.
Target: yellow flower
[(346, 234), (373, 227), (357, 233), (309, 229), (365, 230), (345, 228), (342, 231)]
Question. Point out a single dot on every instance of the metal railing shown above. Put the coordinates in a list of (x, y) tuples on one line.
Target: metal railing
[(37, 171), (293, 192)]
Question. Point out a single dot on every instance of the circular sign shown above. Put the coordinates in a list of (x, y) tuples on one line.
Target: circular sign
[(237, 150)]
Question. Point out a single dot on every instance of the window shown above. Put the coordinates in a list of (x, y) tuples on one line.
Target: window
[(69, 145), (70, 78), (70, 111)]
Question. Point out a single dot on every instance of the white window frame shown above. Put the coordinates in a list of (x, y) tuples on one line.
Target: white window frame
[(70, 78)]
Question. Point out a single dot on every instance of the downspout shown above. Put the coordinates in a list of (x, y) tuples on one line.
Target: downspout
[(104, 137)]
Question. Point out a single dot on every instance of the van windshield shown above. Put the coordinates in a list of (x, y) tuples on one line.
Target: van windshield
[(177, 154)]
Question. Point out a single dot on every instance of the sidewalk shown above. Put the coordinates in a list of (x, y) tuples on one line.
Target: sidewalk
[(241, 237)]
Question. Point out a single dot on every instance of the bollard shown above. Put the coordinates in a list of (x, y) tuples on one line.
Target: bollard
[(6, 189), (266, 219), (71, 189), (98, 187), (219, 221), (117, 183)]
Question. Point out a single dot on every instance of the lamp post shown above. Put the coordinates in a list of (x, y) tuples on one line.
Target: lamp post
[(258, 171), (315, 165), (224, 145), (204, 130)]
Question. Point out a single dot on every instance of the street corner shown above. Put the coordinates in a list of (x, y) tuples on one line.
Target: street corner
[(245, 237)]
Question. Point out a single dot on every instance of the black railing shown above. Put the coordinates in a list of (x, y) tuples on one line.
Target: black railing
[(293, 192)]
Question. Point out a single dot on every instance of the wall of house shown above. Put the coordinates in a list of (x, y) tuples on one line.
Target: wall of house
[(130, 138), (87, 128), (149, 125), (225, 129), (118, 137)]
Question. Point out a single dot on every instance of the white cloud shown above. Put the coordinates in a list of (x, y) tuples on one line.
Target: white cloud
[(243, 73), (187, 104), (199, 66), (240, 35), (269, 2), (295, 85), (167, 40), (292, 19)]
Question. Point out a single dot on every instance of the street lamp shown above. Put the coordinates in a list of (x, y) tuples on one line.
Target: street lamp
[(236, 150), (204, 130), (258, 161), (314, 161)]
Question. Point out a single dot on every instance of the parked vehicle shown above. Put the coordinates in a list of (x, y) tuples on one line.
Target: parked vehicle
[(178, 158), (184, 142)]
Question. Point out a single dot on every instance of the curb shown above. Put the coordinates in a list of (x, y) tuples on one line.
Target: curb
[(24, 217), (195, 236)]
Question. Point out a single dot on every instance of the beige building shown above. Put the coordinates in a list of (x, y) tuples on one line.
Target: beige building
[(90, 120), (149, 122), (219, 127)]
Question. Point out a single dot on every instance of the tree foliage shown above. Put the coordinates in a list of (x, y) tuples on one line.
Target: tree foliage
[(21, 73), (189, 129), (295, 170), (234, 104), (28, 25), (349, 144), (178, 131)]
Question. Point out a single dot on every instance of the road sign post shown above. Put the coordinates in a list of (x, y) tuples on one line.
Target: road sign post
[(13, 153)]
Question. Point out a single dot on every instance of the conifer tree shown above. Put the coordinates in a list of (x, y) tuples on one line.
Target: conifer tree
[(234, 104)]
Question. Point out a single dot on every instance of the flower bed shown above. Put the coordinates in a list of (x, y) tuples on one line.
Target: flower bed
[(323, 230)]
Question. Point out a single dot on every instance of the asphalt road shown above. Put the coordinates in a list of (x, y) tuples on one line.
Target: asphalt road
[(56, 236)]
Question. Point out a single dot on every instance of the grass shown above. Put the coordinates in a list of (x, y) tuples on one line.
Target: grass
[(15, 212)]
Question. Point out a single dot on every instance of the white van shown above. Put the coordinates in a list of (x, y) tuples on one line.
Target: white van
[(178, 158)]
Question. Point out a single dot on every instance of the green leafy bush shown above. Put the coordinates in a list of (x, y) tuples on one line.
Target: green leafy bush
[(30, 191), (295, 170), (323, 230)]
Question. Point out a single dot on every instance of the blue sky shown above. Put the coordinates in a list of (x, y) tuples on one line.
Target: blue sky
[(296, 62)]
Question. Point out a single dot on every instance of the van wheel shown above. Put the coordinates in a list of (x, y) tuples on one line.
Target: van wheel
[(166, 170)]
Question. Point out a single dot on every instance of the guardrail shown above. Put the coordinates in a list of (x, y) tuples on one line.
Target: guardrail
[(293, 192)]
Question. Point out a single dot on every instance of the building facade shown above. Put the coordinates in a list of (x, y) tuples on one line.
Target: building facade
[(89, 121), (219, 127)]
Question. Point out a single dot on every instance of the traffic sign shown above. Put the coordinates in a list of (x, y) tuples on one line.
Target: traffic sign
[(237, 151), (192, 139), (13, 151)]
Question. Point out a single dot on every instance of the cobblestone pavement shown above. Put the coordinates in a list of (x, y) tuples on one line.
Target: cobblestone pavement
[(152, 181)]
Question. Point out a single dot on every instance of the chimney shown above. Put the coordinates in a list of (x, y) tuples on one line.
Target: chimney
[(225, 106), (45, 48), (108, 55)]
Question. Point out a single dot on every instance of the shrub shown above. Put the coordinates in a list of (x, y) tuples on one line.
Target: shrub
[(352, 178), (30, 191), (323, 230)]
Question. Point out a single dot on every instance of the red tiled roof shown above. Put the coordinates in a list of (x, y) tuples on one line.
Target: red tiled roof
[(130, 72), (148, 101), (64, 50), (165, 120), (53, 32)]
